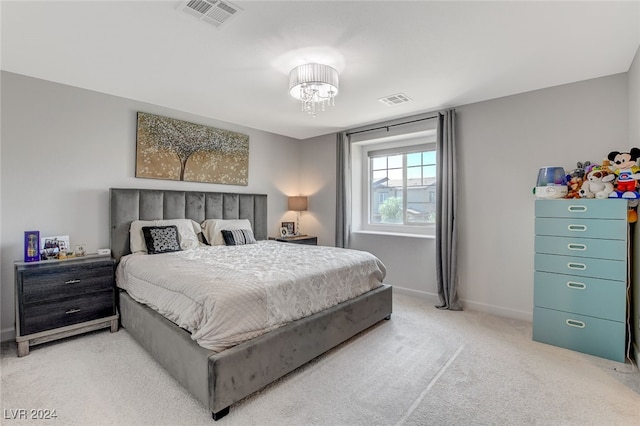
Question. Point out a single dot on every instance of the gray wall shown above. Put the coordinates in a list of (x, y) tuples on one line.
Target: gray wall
[(64, 147), (501, 145)]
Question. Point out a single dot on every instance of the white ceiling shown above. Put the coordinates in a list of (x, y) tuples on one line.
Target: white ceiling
[(440, 54)]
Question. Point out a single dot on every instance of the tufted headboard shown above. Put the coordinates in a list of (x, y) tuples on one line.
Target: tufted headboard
[(127, 205)]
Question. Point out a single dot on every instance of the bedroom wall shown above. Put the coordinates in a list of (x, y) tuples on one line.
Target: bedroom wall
[(64, 147), (501, 145)]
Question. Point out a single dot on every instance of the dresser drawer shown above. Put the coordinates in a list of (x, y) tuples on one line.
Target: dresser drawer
[(44, 285), (590, 335), (587, 296), (582, 266), (47, 316), (582, 228), (601, 209), (582, 247)]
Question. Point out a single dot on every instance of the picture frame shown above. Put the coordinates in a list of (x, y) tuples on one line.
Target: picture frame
[(290, 226), (31, 246), (51, 247)]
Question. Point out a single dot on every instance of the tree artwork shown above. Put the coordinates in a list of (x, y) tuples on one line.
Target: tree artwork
[(179, 150)]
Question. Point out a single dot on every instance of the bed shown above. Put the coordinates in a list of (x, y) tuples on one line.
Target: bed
[(219, 378)]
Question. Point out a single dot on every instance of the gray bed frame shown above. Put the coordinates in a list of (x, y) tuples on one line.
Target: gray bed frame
[(219, 379)]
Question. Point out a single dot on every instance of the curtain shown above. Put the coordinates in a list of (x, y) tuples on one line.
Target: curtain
[(343, 190), (446, 205)]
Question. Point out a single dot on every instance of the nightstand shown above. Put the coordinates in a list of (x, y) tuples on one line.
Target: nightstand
[(298, 239), (62, 298)]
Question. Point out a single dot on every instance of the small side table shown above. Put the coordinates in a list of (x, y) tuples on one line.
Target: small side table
[(61, 298), (298, 239)]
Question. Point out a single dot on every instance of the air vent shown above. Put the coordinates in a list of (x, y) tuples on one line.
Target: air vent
[(213, 12), (398, 98)]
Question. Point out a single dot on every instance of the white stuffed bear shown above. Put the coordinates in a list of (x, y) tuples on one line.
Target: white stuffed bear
[(597, 184)]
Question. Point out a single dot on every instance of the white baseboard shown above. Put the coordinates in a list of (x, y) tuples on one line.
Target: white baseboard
[(7, 334), (421, 294), (471, 305)]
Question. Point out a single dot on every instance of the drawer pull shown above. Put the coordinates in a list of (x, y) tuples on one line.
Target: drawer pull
[(577, 209), (72, 282), (577, 266), (577, 228), (575, 323), (576, 286), (73, 311), (577, 247)]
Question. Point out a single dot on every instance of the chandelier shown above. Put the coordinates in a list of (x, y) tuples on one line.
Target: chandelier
[(314, 85)]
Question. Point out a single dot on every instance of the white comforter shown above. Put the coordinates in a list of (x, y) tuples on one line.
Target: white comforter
[(225, 295)]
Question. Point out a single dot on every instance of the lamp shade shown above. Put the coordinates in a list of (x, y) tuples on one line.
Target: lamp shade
[(298, 204)]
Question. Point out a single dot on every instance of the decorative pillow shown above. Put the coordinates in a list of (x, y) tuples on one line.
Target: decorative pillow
[(187, 231), (238, 237), (161, 239), (211, 228)]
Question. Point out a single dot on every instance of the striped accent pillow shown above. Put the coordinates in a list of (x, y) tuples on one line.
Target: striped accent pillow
[(238, 237)]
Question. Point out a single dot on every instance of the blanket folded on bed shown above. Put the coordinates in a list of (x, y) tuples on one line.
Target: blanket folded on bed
[(225, 295)]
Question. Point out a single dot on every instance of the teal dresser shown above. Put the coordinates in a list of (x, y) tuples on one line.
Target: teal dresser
[(581, 275)]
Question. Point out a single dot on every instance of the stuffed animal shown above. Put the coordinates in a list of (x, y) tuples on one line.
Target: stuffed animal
[(627, 173), (580, 170), (597, 184), (574, 185)]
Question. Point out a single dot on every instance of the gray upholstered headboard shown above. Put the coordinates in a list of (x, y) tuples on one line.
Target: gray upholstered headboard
[(128, 205)]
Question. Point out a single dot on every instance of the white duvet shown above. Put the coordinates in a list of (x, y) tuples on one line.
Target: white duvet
[(225, 295)]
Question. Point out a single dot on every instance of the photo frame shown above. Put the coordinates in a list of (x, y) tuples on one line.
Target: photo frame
[(31, 246), (290, 226), (52, 247)]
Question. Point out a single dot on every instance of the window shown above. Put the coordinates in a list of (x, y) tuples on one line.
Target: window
[(401, 186), (393, 172)]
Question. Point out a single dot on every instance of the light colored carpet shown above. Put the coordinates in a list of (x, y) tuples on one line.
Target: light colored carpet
[(423, 367)]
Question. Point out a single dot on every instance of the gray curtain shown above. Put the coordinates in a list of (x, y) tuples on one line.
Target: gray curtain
[(343, 190), (446, 206)]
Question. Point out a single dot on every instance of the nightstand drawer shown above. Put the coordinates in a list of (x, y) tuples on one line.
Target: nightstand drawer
[(47, 316), (582, 247), (601, 209), (588, 296), (582, 266), (581, 333), (43, 285), (582, 228)]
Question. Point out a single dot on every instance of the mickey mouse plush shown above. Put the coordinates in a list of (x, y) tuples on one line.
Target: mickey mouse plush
[(627, 172)]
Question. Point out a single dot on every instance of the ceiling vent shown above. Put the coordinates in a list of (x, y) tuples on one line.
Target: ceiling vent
[(398, 98), (214, 12)]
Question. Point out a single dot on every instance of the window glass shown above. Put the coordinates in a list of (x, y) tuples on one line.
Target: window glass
[(402, 187)]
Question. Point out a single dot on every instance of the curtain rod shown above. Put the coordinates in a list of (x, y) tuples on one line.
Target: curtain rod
[(393, 125)]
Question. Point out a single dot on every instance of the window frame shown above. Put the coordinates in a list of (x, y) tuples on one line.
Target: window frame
[(425, 141)]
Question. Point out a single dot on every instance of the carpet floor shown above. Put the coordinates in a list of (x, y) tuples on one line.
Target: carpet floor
[(423, 367)]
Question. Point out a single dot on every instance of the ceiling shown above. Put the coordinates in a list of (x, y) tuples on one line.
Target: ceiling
[(440, 54)]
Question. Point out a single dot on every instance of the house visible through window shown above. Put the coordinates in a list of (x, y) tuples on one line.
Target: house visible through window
[(402, 186)]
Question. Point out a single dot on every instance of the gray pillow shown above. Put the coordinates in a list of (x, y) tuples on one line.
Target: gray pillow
[(238, 237)]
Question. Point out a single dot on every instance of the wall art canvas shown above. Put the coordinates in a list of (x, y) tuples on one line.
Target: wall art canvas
[(172, 149)]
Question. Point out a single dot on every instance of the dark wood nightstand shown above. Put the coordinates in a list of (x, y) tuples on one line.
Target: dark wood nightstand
[(298, 239), (61, 298)]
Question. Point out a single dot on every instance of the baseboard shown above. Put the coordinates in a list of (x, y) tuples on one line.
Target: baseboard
[(635, 352), (432, 297), (7, 334), (471, 305)]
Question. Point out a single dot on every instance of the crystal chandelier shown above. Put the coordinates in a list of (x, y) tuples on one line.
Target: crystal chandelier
[(315, 85)]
